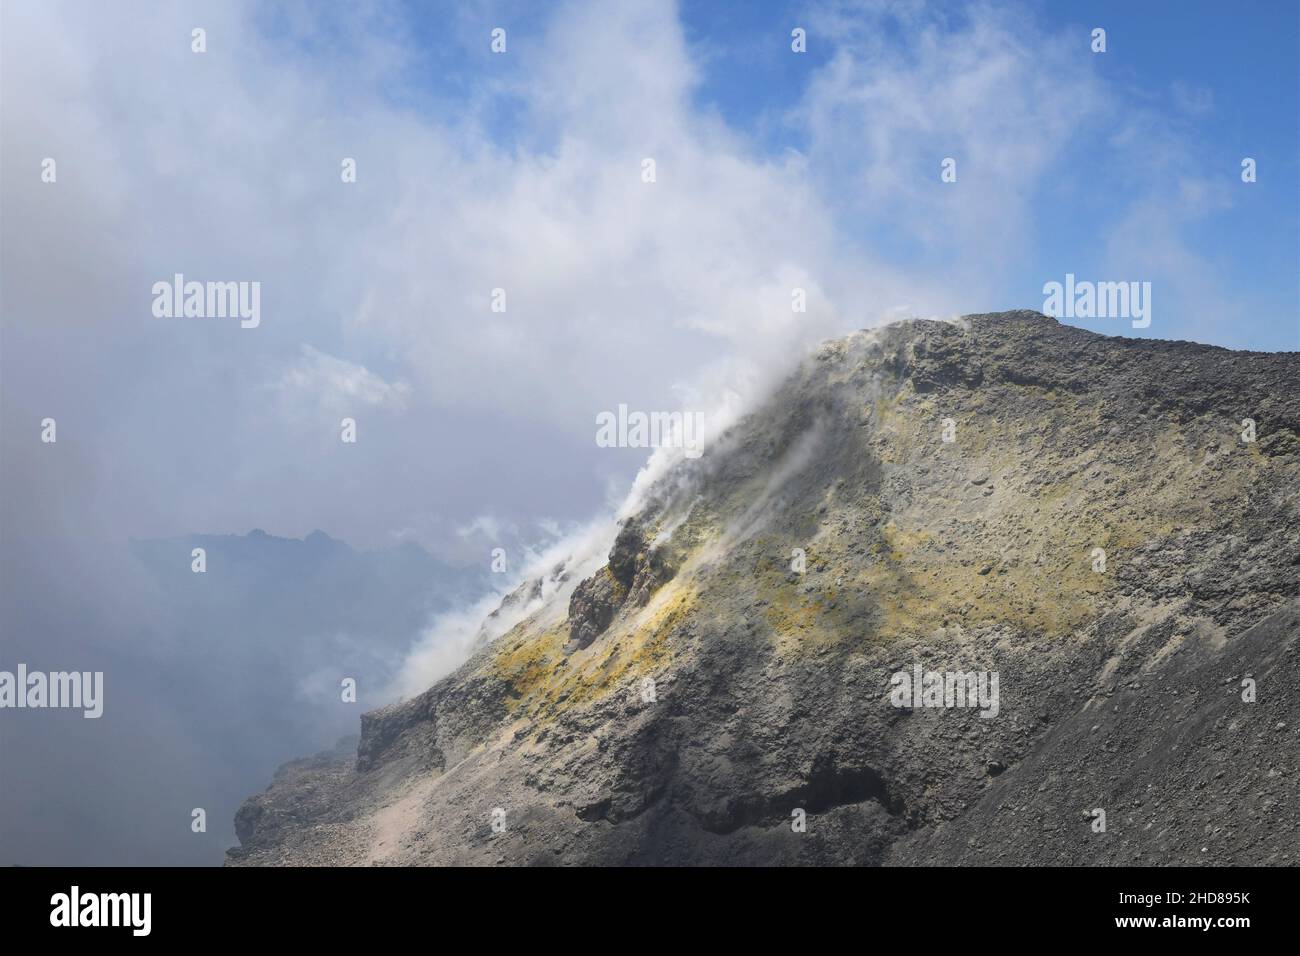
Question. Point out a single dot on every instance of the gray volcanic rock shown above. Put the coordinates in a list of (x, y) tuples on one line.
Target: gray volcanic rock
[(1075, 514)]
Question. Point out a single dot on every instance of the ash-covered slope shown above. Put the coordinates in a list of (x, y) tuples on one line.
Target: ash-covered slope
[(1119, 689)]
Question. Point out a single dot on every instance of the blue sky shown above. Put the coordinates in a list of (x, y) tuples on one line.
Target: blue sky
[(776, 171), (1209, 82), (1223, 74)]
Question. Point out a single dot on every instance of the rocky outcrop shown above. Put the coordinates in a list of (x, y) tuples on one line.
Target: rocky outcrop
[(634, 572), (1079, 516)]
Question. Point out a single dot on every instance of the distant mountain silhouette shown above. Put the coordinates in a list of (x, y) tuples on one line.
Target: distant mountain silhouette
[(259, 643)]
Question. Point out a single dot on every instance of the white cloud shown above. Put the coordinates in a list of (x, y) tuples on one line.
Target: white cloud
[(226, 165), (486, 526), (338, 385), (911, 86)]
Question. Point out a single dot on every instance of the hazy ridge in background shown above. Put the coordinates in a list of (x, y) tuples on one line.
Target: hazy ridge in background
[(212, 680)]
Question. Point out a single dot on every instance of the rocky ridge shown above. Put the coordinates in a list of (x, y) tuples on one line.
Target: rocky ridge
[(730, 667)]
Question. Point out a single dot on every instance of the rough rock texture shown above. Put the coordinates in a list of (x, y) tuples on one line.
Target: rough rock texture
[(702, 690)]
